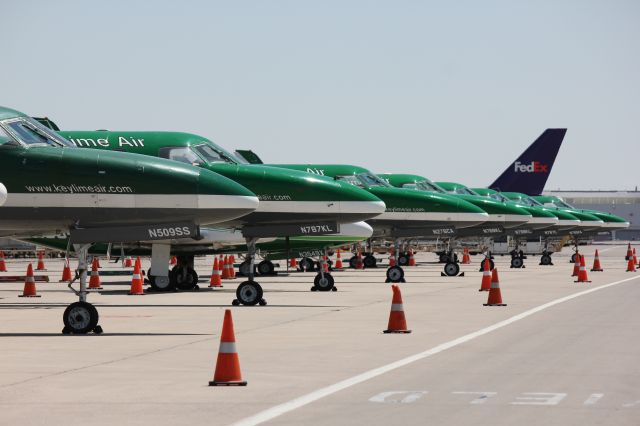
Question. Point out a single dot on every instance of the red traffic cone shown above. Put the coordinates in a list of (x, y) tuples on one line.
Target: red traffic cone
[(596, 263), (293, 263), (128, 262), (359, 262), (397, 321), (173, 261), (635, 258), (582, 272), (232, 269), (225, 268), (629, 252), (631, 267), (136, 281), (29, 284), (465, 256), (412, 260), (392, 258), (495, 297), (576, 266), (486, 276), (215, 274), (228, 364), (40, 266), (94, 279), (66, 272), (338, 264), (494, 276), (3, 265), (325, 265)]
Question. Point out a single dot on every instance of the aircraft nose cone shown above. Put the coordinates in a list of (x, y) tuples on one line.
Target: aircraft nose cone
[(3, 193)]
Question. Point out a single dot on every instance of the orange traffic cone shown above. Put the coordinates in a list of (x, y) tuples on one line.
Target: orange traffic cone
[(136, 281), (629, 252), (466, 259), (631, 267), (98, 262), (29, 284), (94, 279), (66, 272), (293, 263), (494, 276), (596, 263), (128, 263), (225, 268), (232, 269), (3, 265), (635, 258), (397, 321), (325, 265), (40, 266), (338, 264), (173, 261), (412, 260), (359, 262), (228, 365), (486, 276), (576, 266), (495, 297), (582, 272), (392, 257), (215, 275)]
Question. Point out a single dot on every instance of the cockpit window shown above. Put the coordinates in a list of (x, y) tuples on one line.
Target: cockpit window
[(32, 133), (462, 191), (184, 155), (411, 186), (372, 180), (5, 138), (563, 204), (352, 179), (212, 155), (429, 186), (499, 197)]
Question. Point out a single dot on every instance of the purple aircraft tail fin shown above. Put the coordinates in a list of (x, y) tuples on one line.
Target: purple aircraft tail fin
[(529, 173)]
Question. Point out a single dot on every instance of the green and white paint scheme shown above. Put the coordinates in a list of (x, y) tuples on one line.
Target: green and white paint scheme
[(286, 196), (611, 221)]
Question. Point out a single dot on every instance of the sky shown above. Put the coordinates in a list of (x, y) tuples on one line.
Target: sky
[(453, 91)]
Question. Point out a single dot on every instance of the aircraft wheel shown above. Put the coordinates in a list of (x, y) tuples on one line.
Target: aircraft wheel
[(491, 265), (395, 274), (545, 259), (353, 262), (306, 264), (323, 283), (444, 258), (517, 262), (80, 318), (266, 267), (574, 256), (160, 283), (183, 279), (451, 269), (370, 261), (243, 268), (403, 259), (249, 293)]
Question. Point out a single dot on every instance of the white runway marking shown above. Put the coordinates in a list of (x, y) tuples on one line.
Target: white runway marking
[(593, 398), (278, 410)]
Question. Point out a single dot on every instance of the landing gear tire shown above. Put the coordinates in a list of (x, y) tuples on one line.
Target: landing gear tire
[(160, 283), (80, 318), (244, 268), (370, 261), (574, 256), (353, 262), (545, 259), (306, 264), (323, 282), (249, 293), (266, 267), (517, 262), (491, 265), (184, 279), (403, 259), (395, 274), (451, 269), (444, 258)]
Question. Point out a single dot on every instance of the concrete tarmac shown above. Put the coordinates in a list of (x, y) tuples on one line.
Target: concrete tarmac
[(321, 358)]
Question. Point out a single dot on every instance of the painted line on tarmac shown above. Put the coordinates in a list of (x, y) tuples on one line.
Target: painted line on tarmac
[(280, 409)]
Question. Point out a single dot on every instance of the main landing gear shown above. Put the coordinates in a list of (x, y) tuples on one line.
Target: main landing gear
[(517, 259), (451, 264), (81, 317), (249, 293)]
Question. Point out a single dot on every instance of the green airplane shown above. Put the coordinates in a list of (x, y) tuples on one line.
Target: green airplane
[(292, 203), (611, 221), (51, 186), (409, 213)]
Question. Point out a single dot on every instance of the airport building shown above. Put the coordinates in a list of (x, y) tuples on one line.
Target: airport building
[(625, 204)]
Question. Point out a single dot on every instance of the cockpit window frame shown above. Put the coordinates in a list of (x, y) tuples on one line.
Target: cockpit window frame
[(60, 142)]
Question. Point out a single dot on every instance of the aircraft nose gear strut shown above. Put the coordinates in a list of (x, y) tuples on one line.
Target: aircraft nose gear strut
[(249, 293), (81, 317)]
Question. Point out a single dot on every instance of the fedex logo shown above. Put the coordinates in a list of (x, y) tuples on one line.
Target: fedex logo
[(533, 167)]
